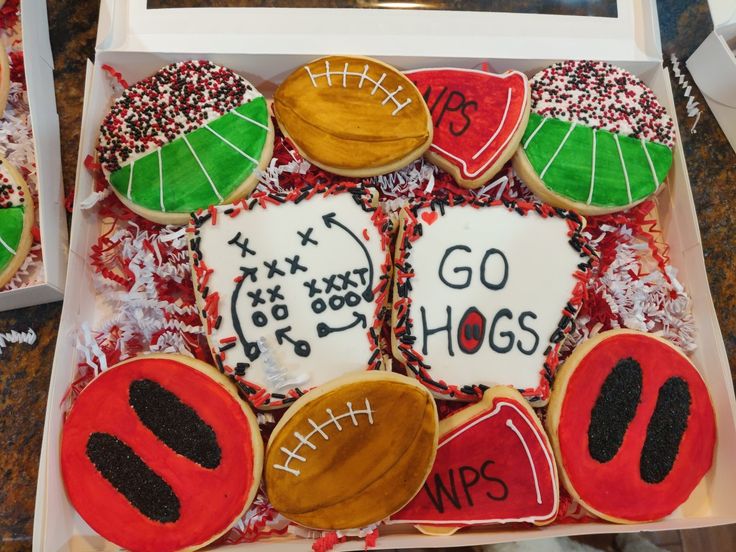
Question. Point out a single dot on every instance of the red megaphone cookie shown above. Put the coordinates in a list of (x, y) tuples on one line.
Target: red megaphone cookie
[(478, 119), (494, 464)]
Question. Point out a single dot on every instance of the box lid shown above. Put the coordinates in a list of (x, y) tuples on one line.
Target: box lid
[(723, 13), (129, 26)]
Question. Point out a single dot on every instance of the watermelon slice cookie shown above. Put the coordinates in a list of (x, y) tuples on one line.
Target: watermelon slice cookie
[(598, 140), (16, 220), (478, 119), (190, 136)]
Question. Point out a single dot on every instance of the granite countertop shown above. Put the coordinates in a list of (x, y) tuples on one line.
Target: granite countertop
[(25, 371)]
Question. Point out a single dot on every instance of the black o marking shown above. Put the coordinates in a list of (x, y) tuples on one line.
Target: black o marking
[(280, 312), (352, 299), (259, 319), (665, 430), (174, 422), (504, 278), (614, 409), (318, 305), (146, 491), (336, 302)]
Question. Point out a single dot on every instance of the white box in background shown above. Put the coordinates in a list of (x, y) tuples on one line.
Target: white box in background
[(50, 214), (266, 45), (713, 66)]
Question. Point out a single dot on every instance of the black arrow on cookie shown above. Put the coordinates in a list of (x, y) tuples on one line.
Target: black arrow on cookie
[(329, 220), (324, 330), (301, 347)]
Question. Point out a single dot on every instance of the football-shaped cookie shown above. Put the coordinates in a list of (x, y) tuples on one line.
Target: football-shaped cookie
[(352, 452), (353, 116)]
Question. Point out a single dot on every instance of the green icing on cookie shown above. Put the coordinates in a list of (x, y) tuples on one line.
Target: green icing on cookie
[(571, 172), (228, 149), (11, 229)]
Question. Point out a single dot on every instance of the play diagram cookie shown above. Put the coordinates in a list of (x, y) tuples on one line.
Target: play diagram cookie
[(16, 221), (632, 426), (154, 442), (352, 452), (598, 140), (292, 287), (192, 135), (494, 464), (469, 307), (353, 116), (478, 118)]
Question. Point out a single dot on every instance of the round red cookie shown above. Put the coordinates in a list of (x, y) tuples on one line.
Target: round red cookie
[(632, 426), (158, 453)]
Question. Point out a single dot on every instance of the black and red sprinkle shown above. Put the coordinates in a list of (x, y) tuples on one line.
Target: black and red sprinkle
[(177, 99), (602, 96)]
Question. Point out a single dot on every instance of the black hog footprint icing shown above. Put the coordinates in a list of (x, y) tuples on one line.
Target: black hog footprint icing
[(291, 287)]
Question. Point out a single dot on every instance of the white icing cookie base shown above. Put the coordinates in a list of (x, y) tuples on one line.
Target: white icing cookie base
[(308, 299), (517, 272)]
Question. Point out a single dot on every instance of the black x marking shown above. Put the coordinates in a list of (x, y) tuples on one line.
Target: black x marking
[(294, 265), (244, 249), (274, 294), (313, 289), (256, 296), (346, 280), (306, 236), (273, 269), (330, 283)]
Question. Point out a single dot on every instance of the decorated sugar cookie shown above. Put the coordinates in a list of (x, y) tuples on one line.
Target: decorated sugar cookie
[(352, 452), (4, 79), (16, 220), (353, 116), (469, 310), (632, 426), (598, 140), (192, 135), (494, 464), (478, 118), (292, 287), (154, 442)]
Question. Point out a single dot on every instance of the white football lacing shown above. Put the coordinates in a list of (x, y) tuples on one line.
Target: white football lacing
[(363, 77), (319, 429)]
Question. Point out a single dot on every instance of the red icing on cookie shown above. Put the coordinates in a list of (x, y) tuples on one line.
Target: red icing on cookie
[(496, 466), (615, 487), (218, 478), (476, 116)]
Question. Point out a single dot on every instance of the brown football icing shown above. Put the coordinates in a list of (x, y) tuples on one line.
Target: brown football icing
[(356, 474), (353, 113)]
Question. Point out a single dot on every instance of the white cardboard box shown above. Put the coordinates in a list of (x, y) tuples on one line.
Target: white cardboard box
[(713, 66), (137, 42), (51, 215)]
